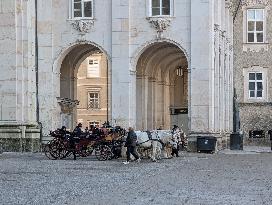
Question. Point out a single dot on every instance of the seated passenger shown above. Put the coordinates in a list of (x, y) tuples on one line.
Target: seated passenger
[(77, 131)]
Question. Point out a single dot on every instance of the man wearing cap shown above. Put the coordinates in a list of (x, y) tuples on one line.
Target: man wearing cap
[(131, 145)]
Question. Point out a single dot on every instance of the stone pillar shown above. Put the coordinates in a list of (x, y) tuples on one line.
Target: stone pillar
[(216, 78), (167, 124), (139, 102), (151, 104), (201, 57), (145, 101), (154, 103), (123, 91), (18, 125), (160, 103)]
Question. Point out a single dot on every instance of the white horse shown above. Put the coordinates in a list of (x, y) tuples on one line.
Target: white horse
[(169, 140), (146, 141)]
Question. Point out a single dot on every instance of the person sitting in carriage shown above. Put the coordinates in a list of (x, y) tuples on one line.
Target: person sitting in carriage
[(62, 130), (86, 130), (64, 133), (77, 131), (97, 132)]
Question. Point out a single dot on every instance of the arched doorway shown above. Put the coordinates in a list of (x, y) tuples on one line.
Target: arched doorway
[(162, 87), (84, 87)]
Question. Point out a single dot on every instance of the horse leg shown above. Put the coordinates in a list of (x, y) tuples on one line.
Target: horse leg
[(123, 152), (154, 150)]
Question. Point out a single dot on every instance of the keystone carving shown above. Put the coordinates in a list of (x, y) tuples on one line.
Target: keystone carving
[(160, 24), (83, 26)]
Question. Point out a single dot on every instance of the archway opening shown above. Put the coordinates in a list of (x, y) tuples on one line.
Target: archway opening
[(162, 87), (85, 86)]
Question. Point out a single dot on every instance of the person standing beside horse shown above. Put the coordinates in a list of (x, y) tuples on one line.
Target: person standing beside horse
[(131, 145)]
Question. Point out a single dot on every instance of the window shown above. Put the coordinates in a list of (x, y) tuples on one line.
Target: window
[(255, 85), (93, 70), (160, 7), (82, 8), (255, 25), (94, 123), (93, 100)]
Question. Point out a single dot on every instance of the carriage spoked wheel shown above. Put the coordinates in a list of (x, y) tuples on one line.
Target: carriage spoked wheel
[(49, 152), (103, 152), (90, 149), (55, 149)]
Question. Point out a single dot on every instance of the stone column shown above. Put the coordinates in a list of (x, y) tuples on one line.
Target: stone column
[(139, 102), (160, 103), (145, 101), (216, 78), (18, 124), (201, 61), (123, 90), (167, 124), (151, 103)]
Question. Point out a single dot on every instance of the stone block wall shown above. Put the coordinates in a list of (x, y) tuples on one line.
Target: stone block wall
[(20, 138), (254, 114)]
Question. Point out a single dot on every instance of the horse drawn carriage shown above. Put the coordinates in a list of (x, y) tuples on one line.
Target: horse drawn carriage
[(105, 145)]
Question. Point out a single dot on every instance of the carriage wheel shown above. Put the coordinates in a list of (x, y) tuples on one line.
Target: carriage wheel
[(51, 150), (62, 149), (90, 149), (103, 152), (55, 149), (48, 151)]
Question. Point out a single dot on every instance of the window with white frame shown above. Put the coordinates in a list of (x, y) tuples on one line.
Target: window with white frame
[(82, 8), (160, 7), (255, 25), (93, 98), (93, 70), (255, 85), (94, 123)]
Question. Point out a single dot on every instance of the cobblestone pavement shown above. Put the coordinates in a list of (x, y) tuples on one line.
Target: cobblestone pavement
[(223, 178)]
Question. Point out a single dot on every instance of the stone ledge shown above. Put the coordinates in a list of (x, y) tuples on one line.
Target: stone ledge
[(19, 138), (255, 104), (20, 145)]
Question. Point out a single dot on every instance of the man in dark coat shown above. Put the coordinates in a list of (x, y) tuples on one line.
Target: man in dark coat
[(131, 145), (270, 135), (77, 131)]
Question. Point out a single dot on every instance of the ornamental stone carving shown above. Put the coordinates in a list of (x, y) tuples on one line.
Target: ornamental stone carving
[(160, 24), (67, 104), (254, 2), (82, 25)]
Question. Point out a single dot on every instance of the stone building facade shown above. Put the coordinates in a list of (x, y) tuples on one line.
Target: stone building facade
[(168, 61), (252, 68), (92, 88)]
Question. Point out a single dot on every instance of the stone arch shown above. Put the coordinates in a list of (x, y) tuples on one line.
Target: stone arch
[(57, 61), (76, 52), (142, 48), (156, 84)]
